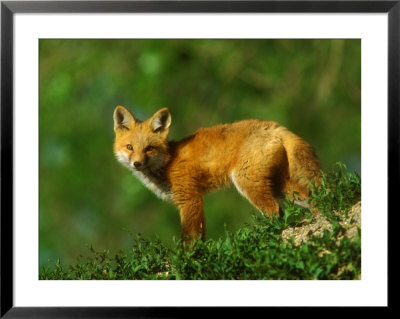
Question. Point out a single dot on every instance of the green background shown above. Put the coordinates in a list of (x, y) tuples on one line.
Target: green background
[(86, 198)]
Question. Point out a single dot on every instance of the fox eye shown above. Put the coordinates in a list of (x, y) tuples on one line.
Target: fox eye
[(148, 148), (129, 147)]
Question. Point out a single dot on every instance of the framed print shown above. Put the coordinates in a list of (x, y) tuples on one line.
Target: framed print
[(294, 104)]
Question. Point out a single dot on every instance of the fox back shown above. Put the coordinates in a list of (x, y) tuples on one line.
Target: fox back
[(262, 159)]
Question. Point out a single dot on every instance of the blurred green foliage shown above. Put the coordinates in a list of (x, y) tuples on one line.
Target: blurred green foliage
[(86, 197)]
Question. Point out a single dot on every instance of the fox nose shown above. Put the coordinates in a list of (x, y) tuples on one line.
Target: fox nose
[(137, 164)]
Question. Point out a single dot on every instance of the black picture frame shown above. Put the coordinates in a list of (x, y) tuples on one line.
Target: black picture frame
[(9, 8)]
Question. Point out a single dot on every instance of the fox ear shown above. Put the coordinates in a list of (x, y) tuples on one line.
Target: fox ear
[(123, 118), (161, 120)]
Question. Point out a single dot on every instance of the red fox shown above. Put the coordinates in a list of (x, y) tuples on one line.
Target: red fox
[(262, 159)]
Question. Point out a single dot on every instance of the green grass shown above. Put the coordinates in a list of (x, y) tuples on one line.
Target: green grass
[(256, 251)]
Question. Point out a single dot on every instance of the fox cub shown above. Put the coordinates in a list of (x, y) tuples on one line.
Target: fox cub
[(262, 159)]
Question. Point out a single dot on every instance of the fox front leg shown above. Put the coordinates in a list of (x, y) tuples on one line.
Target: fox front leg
[(192, 219)]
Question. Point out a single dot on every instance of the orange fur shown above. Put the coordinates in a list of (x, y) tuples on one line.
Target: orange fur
[(262, 159)]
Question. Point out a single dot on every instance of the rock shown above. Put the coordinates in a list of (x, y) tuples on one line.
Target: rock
[(319, 223)]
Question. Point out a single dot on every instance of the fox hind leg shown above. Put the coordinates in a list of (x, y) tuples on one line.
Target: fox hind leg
[(262, 183), (264, 201)]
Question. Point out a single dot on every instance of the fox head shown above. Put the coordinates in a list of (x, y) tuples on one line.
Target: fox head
[(141, 145)]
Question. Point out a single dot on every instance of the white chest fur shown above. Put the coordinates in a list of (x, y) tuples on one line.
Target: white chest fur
[(161, 189), (157, 185)]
